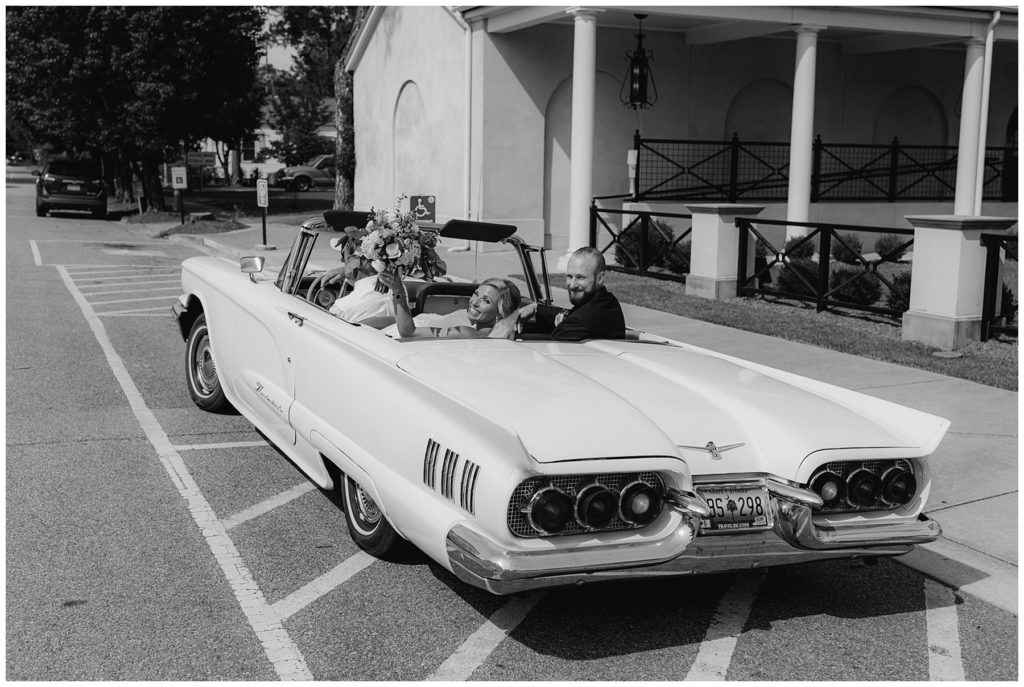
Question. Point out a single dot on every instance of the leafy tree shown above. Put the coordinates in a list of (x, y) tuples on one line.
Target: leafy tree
[(136, 86), (320, 36)]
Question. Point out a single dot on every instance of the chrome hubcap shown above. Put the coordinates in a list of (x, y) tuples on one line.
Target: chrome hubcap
[(206, 369)]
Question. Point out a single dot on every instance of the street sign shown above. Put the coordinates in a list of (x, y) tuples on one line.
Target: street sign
[(201, 159), (179, 178), (262, 193), (423, 207)]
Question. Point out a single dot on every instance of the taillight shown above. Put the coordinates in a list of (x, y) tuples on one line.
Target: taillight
[(863, 488), (639, 503), (596, 506), (829, 486), (898, 486), (549, 510)]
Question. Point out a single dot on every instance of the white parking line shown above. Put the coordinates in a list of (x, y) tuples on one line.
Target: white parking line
[(134, 300), (281, 651), (127, 278), (300, 598), (267, 506), (716, 650), (482, 643), (944, 660), (148, 289), (215, 447)]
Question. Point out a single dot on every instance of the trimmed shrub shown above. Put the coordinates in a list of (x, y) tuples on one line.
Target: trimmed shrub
[(845, 254), (806, 250), (887, 243), (789, 281), (660, 253), (865, 289), (900, 280)]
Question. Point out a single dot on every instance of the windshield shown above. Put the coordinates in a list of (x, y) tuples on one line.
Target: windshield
[(75, 168)]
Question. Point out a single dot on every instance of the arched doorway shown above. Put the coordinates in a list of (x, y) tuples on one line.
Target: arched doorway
[(913, 115), (760, 111)]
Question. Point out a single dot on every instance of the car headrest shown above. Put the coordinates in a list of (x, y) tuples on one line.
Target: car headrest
[(339, 219)]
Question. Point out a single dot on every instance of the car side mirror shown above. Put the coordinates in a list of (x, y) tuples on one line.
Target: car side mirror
[(250, 264)]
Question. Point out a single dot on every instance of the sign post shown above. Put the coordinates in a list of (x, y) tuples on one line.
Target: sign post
[(263, 201), (179, 182)]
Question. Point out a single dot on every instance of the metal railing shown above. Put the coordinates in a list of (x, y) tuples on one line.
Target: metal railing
[(826, 267), (1005, 320), (642, 243), (737, 170)]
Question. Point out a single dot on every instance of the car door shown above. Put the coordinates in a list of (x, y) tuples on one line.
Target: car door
[(266, 336)]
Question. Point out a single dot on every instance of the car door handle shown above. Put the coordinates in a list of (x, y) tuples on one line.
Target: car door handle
[(297, 319)]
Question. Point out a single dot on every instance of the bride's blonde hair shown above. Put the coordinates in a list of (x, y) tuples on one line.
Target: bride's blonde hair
[(508, 295)]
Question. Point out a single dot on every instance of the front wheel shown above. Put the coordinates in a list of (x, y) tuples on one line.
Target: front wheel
[(302, 184), (367, 525), (40, 209), (201, 370)]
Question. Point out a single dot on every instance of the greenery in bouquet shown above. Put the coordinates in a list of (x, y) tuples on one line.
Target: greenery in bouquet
[(393, 238)]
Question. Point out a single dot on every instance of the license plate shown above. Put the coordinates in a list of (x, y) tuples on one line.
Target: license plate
[(74, 187), (736, 509)]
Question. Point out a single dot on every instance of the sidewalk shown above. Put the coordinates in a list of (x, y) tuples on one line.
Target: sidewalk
[(974, 492)]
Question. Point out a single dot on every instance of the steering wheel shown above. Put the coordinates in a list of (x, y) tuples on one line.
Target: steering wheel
[(322, 295)]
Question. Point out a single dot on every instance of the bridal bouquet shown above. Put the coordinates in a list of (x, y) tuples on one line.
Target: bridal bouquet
[(394, 239)]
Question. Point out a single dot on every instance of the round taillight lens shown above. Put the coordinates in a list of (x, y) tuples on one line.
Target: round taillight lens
[(549, 510), (639, 503), (829, 486), (863, 488), (898, 486), (596, 506)]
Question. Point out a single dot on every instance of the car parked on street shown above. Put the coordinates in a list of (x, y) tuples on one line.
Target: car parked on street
[(526, 463), (316, 173), (70, 185)]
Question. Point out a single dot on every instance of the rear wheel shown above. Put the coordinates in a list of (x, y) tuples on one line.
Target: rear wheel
[(366, 523), (302, 184), (100, 213), (201, 370)]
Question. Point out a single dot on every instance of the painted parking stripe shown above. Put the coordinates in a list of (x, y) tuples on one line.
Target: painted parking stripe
[(135, 300), (150, 289), (482, 643), (125, 278), (220, 446), (280, 650), (716, 650), (268, 505), (944, 659), (334, 578)]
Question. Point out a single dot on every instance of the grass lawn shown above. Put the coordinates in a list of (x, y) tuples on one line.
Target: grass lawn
[(993, 363)]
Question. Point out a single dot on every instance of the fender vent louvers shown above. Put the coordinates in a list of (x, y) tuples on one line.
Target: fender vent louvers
[(449, 468), (430, 462), (451, 461), (468, 495)]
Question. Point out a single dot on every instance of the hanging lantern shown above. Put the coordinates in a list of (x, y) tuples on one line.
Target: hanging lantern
[(636, 92)]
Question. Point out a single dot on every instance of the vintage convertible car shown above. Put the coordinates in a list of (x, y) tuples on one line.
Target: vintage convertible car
[(520, 464)]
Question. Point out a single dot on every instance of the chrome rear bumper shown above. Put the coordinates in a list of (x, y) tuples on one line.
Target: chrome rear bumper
[(793, 538)]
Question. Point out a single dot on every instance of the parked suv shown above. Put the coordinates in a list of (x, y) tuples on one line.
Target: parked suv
[(317, 172), (70, 185)]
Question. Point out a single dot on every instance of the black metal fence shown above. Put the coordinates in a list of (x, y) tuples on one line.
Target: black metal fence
[(738, 170), (1002, 319), (828, 266), (643, 243)]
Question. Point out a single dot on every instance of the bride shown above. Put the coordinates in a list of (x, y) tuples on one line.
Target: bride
[(493, 310)]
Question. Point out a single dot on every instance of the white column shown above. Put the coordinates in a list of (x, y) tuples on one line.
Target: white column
[(970, 128), (581, 170), (801, 136)]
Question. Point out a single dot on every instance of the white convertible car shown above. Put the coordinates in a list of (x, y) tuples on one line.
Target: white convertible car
[(519, 464)]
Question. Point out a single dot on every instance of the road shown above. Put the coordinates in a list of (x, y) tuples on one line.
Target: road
[(147, 540)]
